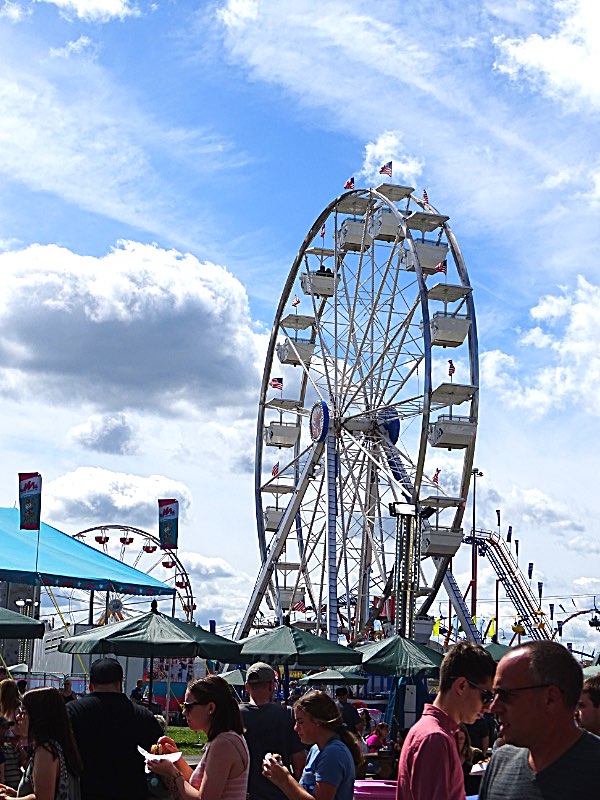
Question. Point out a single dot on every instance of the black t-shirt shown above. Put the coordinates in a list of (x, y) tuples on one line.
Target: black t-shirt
[(108, 727), (350, 716), (269, 728)]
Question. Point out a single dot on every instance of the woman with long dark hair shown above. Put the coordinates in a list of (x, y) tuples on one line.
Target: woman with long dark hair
[(332, 760), (54, 766), (15, 755), (222, 774)]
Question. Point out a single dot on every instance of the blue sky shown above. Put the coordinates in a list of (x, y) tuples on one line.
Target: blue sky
[(160, 165)]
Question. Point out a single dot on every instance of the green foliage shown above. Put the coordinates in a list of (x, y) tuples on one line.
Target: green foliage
[(189, 742)]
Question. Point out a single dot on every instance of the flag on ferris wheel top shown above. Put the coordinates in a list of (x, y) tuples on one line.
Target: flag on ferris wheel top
[(436, 476), (451, 367), (425, 196), (30, 500), (322, 234), (276, 383), (386, 169), (442, 266), (295, 301), (349, 183), (168, 523), (275, 470)]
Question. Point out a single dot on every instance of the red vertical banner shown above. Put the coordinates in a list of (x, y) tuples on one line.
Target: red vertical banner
[(168, 523), (30, 500)]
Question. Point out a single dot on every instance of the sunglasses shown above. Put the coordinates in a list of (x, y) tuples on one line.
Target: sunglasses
[(186, 706), (486, 695), (506, 696)]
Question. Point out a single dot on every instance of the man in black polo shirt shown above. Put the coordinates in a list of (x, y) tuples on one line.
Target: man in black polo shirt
[(350, 716), (108, 727)]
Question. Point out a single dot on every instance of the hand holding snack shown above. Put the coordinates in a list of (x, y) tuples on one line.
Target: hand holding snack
[(167, 745), (274, 770)]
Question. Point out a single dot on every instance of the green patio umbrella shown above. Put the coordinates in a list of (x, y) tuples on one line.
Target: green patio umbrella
[(497, 650), (400, 657), (152, 635), (291, 645), (18, 626), (334, 676), (235, 677)]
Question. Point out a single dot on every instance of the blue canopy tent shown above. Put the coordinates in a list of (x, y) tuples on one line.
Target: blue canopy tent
[(64, 561)]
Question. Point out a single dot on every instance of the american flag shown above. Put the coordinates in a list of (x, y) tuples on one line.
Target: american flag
[(275, 470), (323, 232), (436, 476), (296, 301), (299, 606), (349, 183), (425, 196), (442, 266), (276, 383), (451, 367), (386, 169)]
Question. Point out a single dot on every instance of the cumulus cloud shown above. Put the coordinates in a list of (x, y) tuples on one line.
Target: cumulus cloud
[(107, 433), (566, 336), (563, 63), (96, 10), (139, 327), (93, 496), (389, 147)]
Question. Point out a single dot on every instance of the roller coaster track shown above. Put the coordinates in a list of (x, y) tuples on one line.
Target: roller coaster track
[(526, 604)]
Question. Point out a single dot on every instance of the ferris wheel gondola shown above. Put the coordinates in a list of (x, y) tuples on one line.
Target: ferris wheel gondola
[(141, 550), (355, 399)]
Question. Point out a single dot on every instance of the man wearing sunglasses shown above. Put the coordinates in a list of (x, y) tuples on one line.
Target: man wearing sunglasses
[(430, 766), (546, 755)]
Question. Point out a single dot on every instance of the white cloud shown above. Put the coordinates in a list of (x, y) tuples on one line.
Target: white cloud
[(139, 327), (81, 46), (100, 496), (107, 433), (389, 147), (96, 10), (564, 63), (14, 12)]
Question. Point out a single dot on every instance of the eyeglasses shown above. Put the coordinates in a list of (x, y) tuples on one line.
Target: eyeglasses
[(186, 706), (486, 695), (507, 695)]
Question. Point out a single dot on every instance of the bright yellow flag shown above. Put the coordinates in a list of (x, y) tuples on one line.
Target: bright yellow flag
[(492, 627), (436, 627)]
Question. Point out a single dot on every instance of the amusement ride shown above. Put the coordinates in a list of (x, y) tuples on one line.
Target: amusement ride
[(371, 373)]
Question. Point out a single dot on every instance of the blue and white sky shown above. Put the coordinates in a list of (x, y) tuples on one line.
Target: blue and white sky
[(160, 164)]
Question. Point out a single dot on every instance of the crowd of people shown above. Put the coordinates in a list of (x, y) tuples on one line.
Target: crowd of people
[(55, 746)]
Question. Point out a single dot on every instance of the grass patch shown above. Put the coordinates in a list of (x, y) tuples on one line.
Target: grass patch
[(191, 743)]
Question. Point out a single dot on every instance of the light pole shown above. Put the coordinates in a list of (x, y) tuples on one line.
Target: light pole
[(476, 473)]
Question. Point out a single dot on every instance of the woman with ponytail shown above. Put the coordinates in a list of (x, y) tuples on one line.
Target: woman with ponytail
[(335, 753)]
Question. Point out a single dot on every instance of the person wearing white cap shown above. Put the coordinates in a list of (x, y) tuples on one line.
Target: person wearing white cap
[(269, 729)]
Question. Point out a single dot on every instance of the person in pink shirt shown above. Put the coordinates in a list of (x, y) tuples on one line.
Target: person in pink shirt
[(430, 767)]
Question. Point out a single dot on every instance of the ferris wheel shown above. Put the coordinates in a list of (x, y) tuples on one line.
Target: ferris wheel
[(138, 549), (371, 373)]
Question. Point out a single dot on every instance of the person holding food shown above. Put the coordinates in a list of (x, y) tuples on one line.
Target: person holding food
[(332, 760), (222, 774)]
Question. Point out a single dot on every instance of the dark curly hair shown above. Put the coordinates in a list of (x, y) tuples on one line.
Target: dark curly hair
[(226, 717), (48, 723)]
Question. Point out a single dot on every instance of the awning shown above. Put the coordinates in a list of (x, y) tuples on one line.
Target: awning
[(64, 561)]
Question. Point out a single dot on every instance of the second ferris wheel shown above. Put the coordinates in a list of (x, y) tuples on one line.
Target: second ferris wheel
[(371, 373)]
